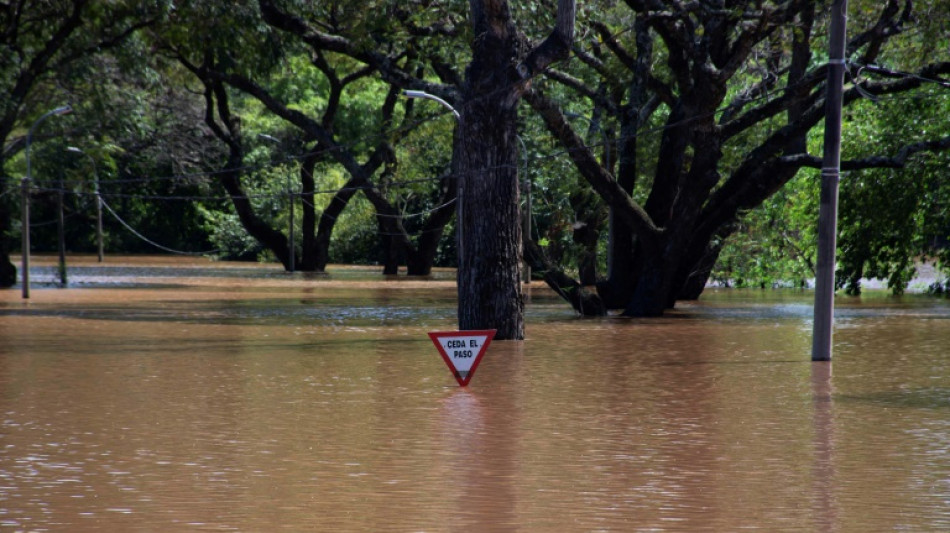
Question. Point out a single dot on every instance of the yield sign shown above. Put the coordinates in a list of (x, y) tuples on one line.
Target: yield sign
[(462, 350)]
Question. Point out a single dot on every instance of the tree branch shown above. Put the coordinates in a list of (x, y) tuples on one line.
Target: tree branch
[(887, 26), (581, 87), (557, 45), (319, 40), (628, 60), (898, 160), (601, 180)]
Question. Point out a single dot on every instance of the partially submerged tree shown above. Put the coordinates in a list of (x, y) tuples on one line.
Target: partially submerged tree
[(503, 62), (348, 95), (740, 91)]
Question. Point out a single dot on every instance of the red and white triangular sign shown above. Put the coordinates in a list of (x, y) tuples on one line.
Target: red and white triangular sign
[(462, 350)]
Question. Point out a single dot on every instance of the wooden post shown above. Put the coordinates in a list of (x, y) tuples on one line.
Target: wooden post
[(828, 208)]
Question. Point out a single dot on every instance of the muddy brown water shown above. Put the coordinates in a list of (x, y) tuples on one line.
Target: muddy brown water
[(182, 395)]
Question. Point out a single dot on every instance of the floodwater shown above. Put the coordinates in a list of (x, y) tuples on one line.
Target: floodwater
[(199, 396)]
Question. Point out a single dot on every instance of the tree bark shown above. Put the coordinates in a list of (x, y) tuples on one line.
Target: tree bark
[(321, 250), (7, 270), (585, 301), (489, 277)]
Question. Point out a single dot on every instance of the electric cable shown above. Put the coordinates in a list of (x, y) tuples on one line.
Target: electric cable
[(151, 242)]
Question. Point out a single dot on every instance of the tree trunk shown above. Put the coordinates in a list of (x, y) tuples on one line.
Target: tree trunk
[(633, 115), (651, 296), (489, 279), (489, 275), (321, 245), (419, 262), (589, 216), (257, 228), (694, 272), (7, 270), (390, 246)]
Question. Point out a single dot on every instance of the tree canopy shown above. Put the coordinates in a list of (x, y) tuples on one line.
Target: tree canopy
[(677, 137)]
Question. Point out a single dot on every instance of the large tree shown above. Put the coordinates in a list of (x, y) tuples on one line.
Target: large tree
[(502, 63), (502, 67), (351, 120), (740, 87)]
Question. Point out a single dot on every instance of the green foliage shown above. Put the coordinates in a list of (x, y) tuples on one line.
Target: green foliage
[(355, 237), (893, 218), (228, 236), (140, 117), (554, 179), (889, 219), (230, 32), (774, 245)]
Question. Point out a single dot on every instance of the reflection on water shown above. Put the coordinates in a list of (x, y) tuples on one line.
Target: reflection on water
[(170, 399)]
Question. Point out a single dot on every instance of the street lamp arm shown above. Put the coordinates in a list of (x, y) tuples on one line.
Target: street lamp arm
[(63, 110), (25, 248), (422, 94)]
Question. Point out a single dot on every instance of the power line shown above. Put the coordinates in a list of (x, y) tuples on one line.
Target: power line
[(147, 240)]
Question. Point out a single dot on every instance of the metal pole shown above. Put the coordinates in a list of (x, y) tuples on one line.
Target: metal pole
[(526, 221), (25, 232), (95, 185), (290, 244), (25, 253), (458, 222), (61, 234), (423, 94), (830, 171)]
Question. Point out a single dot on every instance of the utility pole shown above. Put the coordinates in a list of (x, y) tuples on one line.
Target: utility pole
[(95, 183), (828, 202), (61, 230)]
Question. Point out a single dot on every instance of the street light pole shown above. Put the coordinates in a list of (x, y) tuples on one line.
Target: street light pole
[(25, 184), (458, 196), (95, 183), (443, 103)]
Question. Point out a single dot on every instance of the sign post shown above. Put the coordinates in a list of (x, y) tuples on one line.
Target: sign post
[(462, 350)]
